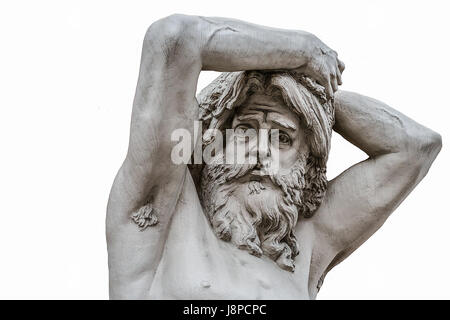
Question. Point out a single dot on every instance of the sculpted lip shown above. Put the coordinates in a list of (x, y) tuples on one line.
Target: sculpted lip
[(254, 177), (257, 175), (256, 172)]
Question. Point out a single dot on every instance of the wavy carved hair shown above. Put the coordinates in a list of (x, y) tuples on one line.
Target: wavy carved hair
[(302, 95)]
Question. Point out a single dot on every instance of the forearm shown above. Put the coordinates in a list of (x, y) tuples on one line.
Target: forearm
[(378, 129), (230, 45)]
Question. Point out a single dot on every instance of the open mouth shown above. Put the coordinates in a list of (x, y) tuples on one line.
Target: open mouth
[(256, 175), (259, 172)]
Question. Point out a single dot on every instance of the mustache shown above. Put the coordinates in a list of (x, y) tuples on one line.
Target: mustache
[(291, 183), (225, 177), (242, 172)]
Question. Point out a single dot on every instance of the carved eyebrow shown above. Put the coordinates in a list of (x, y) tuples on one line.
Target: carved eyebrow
[(263, 108), (281, 122), (284, 123), (247, 116)]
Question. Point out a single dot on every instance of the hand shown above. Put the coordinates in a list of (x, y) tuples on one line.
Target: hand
[(323, 66)]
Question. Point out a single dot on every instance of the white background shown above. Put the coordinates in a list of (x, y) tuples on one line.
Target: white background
[(68, 72)]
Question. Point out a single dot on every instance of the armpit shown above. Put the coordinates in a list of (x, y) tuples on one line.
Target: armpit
[(145, 217)]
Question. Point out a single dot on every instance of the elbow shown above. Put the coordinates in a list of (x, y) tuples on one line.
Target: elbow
[(437, 142), (420, 143), (420, 158), (431, 145), (170, 27), (173, 37)]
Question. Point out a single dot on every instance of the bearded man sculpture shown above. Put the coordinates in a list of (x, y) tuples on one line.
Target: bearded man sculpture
[(222, 230)]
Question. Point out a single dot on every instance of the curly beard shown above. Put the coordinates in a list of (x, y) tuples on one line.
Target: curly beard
[(256, 215)]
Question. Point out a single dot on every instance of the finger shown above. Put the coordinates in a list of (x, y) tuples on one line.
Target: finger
[(325, 83), (341, 65), (319, 78), (329, 90), (339, 78), (334, 83)]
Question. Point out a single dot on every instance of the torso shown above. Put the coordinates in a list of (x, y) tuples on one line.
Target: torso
[(197, 265)]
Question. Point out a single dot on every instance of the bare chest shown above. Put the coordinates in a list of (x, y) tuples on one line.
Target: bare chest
[(197, 265)]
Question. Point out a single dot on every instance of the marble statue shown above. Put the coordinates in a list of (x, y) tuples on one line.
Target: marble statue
[(228, 230)]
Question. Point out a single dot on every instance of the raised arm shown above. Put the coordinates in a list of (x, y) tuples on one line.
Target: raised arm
[(360, 200), (147, 186)]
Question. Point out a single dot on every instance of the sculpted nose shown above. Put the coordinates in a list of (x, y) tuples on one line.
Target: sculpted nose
[(263, 146)]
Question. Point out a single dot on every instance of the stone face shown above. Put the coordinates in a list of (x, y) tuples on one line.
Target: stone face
[(267, 225)]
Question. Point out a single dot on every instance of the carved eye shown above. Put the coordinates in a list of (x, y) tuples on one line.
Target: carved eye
[(284, 138)]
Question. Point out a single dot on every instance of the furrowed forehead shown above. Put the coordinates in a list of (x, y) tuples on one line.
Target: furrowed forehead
[(265, 101), (270, 108)]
